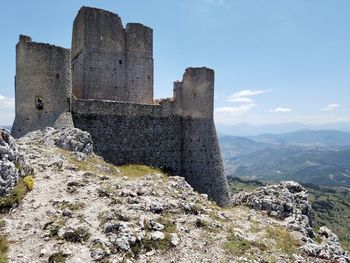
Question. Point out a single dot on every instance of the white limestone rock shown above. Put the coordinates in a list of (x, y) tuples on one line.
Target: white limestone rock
[(12, 164)]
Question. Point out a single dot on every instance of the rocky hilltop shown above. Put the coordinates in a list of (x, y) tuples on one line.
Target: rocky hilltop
[(83, 209)]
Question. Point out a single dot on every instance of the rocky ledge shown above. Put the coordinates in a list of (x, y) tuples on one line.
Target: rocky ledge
[(83, 209), (288, 201)]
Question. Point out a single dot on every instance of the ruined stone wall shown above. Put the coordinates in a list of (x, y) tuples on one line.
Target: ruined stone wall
[(194, 96), (183, 141), (110, 62), (132, 133), (43, 73)]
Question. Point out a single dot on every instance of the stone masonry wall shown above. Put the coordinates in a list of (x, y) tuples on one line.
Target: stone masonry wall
[(201, 161), (110, 62), (201, 164), (42, 73), (131, 133)]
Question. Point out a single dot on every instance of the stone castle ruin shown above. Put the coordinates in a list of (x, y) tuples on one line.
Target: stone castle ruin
[(104, 85)]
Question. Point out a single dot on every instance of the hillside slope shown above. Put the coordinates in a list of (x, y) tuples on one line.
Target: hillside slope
[(83, 209)]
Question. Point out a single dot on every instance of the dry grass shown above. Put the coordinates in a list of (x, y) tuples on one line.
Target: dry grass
[(284, 241), (138, 170), (93, 164), (236, 246), (15, 196)]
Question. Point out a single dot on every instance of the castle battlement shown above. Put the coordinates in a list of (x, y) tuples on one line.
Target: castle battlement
[(104, 85)]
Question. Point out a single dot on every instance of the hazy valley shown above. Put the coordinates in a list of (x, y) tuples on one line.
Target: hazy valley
[(306, 156)]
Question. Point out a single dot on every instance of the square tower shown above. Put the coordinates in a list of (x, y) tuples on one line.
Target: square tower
[(110, 62)]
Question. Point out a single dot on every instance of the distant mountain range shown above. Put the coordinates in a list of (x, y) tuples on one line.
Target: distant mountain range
[(306, 137), (317, 157), (245, 129)]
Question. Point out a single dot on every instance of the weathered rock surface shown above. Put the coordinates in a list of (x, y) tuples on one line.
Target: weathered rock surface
[(86, 210), (327, 248), (289, 201), (12, 164), (70, 139)]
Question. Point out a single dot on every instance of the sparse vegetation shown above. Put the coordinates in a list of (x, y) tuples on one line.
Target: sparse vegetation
[(93, 163), (331, 208), (57, 258), (3, 249), (29, 182), (284, 241), (71, 206), (169, 226), (17, 194), (236, 245), (78, 235), (137, 170), (54, 226), (148, 244), (9, 201)]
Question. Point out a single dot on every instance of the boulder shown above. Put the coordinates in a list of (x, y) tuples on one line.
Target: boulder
[(70, 139), (288, 200), (12, 164), (329, 248)]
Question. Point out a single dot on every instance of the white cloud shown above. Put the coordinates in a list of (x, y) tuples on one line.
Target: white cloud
[(227, 115), (281, 109), (331, 107), (243, 94), (236, 110), (242, 100), (244, 103)]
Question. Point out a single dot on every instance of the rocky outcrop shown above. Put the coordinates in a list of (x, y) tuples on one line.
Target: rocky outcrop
[(12, 164), (70, 139), (288, 201), (326, 246)]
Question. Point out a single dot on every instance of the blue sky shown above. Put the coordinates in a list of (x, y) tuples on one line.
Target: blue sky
[(275, 60)]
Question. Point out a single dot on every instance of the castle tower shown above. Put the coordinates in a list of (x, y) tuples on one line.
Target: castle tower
[(201, 161), (110, 62), (42, 87), (139, 54)]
